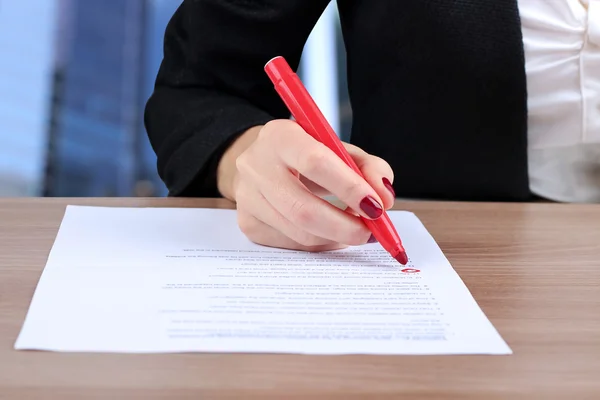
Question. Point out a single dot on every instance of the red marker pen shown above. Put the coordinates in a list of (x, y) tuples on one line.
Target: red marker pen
[(309, 117)]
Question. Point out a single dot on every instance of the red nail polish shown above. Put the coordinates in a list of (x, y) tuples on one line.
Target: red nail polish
[(372, 239), (371, 207), (388, 186)]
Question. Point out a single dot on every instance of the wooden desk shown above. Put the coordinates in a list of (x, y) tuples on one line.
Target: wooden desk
[(534, 269)]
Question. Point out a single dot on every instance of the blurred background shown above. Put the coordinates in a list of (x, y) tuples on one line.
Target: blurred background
[(74, 79)]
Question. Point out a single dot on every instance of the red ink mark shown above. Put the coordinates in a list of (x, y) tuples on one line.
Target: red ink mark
[(410, 270)]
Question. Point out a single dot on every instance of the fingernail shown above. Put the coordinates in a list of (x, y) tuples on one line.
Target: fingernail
[(388, 185), (371, 207), (372, 239)]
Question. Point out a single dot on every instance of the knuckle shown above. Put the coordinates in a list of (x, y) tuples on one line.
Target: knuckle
[(381, 165), (267, 131), (353, 233), (313, 159), (242, 162), (300, 214), (241, 197), (358, 235), (306, 240), (354, 189), (272, 129), (248, 225), (249, 166)]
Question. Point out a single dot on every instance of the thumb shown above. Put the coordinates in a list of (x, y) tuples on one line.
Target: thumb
[(377, 173)]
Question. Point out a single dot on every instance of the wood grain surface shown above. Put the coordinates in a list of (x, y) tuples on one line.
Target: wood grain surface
[(533, 268)]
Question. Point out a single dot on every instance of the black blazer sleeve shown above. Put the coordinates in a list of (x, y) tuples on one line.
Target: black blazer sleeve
[(211, 85)]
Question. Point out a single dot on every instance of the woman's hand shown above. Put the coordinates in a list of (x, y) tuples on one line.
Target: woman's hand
[(277, 175)]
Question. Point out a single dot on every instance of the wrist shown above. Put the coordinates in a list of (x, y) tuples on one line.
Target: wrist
[(227, 170)]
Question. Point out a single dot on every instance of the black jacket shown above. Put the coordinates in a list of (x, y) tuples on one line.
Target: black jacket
[(437, 87)]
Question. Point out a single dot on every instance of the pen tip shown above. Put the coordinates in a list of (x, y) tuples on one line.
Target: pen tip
[(402, 258)]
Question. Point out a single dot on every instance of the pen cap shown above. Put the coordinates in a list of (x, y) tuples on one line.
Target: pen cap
[(294, 95), (276, 67), (303, 107)]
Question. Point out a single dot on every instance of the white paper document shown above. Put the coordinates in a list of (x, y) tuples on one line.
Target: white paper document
[(145, 280)]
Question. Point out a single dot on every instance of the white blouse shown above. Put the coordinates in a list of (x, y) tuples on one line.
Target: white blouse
[(562, 51)]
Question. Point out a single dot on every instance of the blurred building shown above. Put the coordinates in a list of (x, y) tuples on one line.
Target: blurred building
[(74, 79), (104, 71), (95, 118), (26, 64)]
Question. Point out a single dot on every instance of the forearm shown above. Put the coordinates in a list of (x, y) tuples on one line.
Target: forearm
[(227, 171)]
